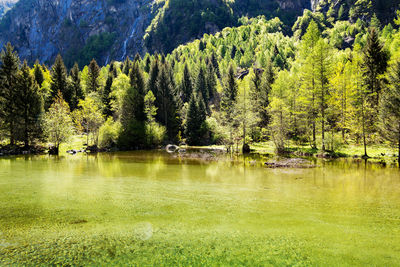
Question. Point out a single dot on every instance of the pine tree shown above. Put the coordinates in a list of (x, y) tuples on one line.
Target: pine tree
[(200, 86), (113, 70), (211, 83), (9, 68), (59, 81), (147, 65), (215, 64), (137, 58), (186, 87), (195, 129), (30, 103), (230, 92), (260, 92), (375, 64), (133, 114), (192, 123), (167, 108), (390, 108), (153, 76), (375, 23), (93, 77), (229, 96), (38, 72), (107, 110), (137, 84), (127, 66), (75, 86)]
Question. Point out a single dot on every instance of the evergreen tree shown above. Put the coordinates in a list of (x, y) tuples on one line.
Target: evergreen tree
[(127, 66), (147, 65), (9, 68), (375, 64), (30, 104), (153, 76), (230, 92), (215, 64), (211, 83), (260, 92), (113, 70), (59, 81), (105, 97), (137, 58), (193, 123), (167, 108), (133, 114), (200, 86), (390, 108), (186, 87), (137, 84), (229, 96), (75, 86), (195, 129), (38, 72), (375, 23), (93, 77)]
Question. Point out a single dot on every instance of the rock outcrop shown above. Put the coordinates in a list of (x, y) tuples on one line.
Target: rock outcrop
[(113, 29), (6, 5), (78, 29)]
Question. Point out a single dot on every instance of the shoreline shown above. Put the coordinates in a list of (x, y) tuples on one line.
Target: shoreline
[(260, 153)]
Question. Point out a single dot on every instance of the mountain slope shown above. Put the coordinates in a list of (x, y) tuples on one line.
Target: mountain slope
[(180, 21), (5, 5), (113, 29), (78, 29)]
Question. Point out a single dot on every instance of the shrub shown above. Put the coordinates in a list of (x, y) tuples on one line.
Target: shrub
[(155, 134), (108, 133)]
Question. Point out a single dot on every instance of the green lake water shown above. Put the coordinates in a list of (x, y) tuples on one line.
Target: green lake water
[(153, 209)]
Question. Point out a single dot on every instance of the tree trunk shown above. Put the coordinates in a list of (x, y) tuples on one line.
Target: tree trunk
[(363, 127), (314, 142), (323, 130), (398, 156), (26, 135), (12, 141)]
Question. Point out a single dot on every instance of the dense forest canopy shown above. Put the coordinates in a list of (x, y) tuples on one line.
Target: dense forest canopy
[(334, 82)]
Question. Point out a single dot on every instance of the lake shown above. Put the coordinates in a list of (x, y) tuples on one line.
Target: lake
[(152, 208)]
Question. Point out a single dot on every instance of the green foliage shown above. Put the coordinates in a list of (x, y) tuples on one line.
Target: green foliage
[(195, 121), (75, 86), (9, 91), (109, 133), (94, 47), (93, 77), (59, 82), (390, 107), (30, 106), (58, 126), (89, 118)]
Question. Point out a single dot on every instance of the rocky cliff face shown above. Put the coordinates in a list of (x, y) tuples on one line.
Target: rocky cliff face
[(78, 29), (6, 5), (113, 29)]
